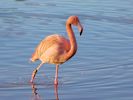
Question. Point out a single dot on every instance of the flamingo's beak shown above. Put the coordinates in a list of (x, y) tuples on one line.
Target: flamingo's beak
[(80, 28), (81, 31)]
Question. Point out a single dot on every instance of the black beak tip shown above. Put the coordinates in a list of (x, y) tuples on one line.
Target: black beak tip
[(81, 32)]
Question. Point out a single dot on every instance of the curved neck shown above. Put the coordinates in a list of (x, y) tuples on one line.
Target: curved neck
[(73, 43)]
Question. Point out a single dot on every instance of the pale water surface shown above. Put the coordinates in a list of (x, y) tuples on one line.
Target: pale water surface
[(102, 69)]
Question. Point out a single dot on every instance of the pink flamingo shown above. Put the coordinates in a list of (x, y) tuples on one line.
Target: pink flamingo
[(56, 49)]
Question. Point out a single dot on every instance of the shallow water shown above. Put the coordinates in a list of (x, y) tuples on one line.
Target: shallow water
[(102, 69)]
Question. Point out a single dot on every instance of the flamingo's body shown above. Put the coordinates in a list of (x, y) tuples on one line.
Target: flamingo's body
[(56, 49), (51, 49)]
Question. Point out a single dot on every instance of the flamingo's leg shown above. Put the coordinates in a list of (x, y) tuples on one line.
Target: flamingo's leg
[(34, 72), (56, 75)]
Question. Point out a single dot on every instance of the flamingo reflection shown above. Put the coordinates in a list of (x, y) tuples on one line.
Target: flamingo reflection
[(36, 96)]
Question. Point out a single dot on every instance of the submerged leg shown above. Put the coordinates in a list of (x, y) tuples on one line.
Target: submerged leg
[(56, 75), (34, 72), (56, 91)]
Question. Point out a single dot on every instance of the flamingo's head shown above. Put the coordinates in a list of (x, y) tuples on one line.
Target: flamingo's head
[(75, 21)]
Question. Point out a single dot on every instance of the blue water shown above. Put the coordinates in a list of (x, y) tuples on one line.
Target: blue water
[(102, 69)]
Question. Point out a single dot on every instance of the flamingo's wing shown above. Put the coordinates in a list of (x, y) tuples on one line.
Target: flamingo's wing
[(48, 46)]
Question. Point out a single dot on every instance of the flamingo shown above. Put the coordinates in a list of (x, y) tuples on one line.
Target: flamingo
[(56, 49)]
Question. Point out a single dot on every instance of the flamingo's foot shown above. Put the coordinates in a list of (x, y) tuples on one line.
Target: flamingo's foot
[(55, 82)]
